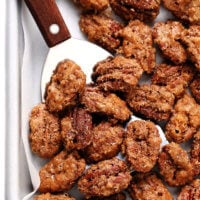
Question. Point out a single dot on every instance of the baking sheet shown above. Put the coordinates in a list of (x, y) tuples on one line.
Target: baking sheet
[(2, 99), (35, 51), (16, 171)]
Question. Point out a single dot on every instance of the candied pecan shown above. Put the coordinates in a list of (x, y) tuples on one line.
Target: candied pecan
[(49, 196), (174, 165), (76, 129), (101, 30), (119, 196), (184, 121), (167, 35), (144, 10), (93, 5), (61, 172), (146, 186), (152, 101), (176, 78), (178, 128), (191, 38), (138, 43), (142, 144), (117, 73), (190, 191), (185, 10), (106, 142), (188, 104), (66, 85), (105, 178), (108, 104), (195, 153), (195, 88), (45, 137)]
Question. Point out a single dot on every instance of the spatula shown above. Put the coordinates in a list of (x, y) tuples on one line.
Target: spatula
[(62, 46)]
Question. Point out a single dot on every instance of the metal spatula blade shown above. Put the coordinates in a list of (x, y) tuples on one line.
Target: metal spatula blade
[(62, 45), (84, 53)]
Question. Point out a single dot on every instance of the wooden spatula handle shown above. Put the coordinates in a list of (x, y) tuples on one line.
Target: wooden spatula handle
[(49, 21)]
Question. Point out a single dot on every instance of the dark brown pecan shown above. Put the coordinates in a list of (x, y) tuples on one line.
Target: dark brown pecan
[(76, 129)]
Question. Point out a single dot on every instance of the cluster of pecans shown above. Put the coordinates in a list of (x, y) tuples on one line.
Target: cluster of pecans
[(82, 127)]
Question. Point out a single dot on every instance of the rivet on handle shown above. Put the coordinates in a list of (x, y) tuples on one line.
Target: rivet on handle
[(54, 29)]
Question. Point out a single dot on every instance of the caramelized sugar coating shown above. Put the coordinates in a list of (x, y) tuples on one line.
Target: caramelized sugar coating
[(93, 5), (184, 121), (185, 10), (108, 104), (105, 178), (60, 173), (176, 78), (152, 101), (138, 43), (119, 196), (66, 85), (195, 88), (142, 145), (144, 10), (167, 36), (106, 142), (117, 73), (195, 153), (49, 196), (101, 30), (178, 129), (147, 186), (190, 191), (76, 129), (45, 138), (174, 165), (191, 38), (188, 104)]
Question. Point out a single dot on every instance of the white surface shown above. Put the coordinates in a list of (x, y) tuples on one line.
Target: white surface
[(2, 99)]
